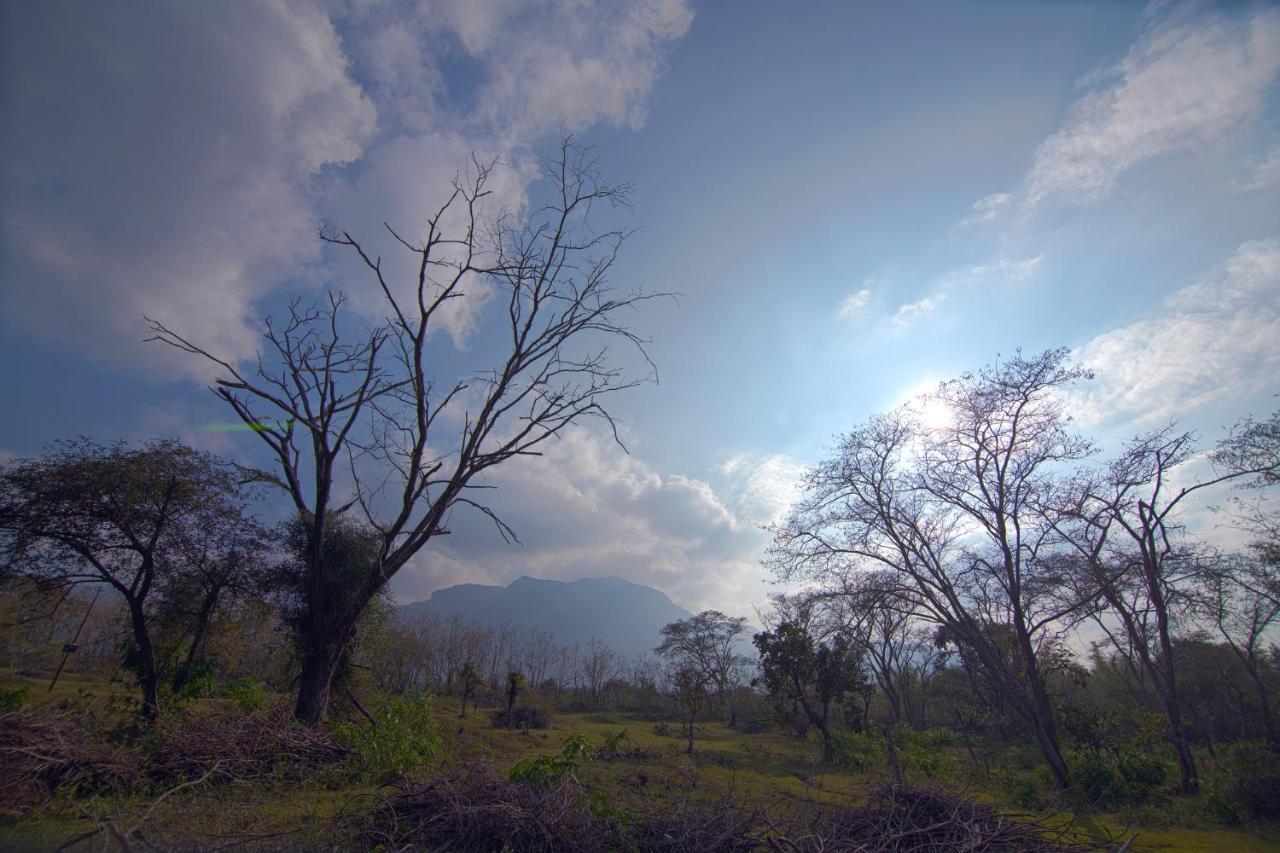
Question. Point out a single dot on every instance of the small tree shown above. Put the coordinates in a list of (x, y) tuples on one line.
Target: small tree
[(706, 642), (134, 519), (515, 686), (469, 680), (794, 669), (689, 687)]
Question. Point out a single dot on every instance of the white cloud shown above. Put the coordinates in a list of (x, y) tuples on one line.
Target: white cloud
[(1210, 341), (912, 311), (586, 509), (986, 209), (851, 306), (1191, 78), (177, 161), (762, 487), (1000, 271), (160, 161), (1266, 175)]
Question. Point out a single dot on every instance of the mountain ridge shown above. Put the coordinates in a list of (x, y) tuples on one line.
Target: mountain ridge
[(625, 615)]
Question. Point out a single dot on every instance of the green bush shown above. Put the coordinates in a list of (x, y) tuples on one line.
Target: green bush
[(1128, 779), (404, 737), (12, 700), (547, 770), (922, 753), (858, 750), (1250, 780), (248, 694)]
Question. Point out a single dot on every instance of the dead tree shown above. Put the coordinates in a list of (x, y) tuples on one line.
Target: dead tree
[(417, 444)]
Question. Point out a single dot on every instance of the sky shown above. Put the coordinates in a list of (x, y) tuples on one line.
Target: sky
[(851, 202)]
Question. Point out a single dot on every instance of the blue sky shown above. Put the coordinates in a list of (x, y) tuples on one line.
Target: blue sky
[(853, 201)]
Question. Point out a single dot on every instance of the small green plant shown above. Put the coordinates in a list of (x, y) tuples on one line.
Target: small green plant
[(403, 737), (547, 770), (12, 700), (248, 694)]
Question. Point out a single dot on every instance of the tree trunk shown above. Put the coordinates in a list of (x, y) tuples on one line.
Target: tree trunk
[(203, 618), (148, 672), (319, 666)]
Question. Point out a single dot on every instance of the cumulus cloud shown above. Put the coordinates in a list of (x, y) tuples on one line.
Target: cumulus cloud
[(586, 509), (176, 160), (1210, 341), (159, 160), (1192, 78)]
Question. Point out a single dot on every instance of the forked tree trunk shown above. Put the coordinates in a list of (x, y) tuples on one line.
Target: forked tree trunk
[(148, 672)]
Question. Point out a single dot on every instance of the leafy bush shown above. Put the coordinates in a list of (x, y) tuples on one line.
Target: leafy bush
[(1130, 778), (248, 694), (547, 770), (1250, 782), (405, 736), (857, 750), (12, 700), (923, 752)]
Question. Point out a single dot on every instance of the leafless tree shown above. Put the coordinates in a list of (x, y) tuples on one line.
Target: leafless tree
[(707, 641), (322, 396), (600, 665), (1134, 560), (953, 513), (1236, 595)]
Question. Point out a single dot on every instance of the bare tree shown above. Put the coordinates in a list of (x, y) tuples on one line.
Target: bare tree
[(321, 395), (599, 664), (1124, 526), (1237, 596), (953, 512), (707, 641)]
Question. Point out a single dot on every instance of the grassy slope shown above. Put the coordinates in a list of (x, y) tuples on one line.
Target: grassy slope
[(758, 770)]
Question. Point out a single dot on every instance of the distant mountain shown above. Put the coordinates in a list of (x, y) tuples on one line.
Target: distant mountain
[(626, 616)]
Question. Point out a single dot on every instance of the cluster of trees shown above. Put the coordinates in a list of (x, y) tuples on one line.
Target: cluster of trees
[(373, 447), (1000, 535)]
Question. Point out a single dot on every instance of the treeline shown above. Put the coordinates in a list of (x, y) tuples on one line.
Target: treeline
[(997, 532)]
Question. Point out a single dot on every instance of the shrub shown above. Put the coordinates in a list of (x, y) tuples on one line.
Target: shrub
[(548, 770), (12, 700), (1250, 780), (405, 736), (248, 694), (1130, 778), (857, 750), (923, 752), (522, 717)]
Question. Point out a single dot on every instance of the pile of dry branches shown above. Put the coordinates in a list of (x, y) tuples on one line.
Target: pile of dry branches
[(922, 820), (241, 746), (43, 751), (483, 813)]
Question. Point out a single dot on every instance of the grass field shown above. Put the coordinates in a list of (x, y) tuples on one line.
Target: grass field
[(758, 770)]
